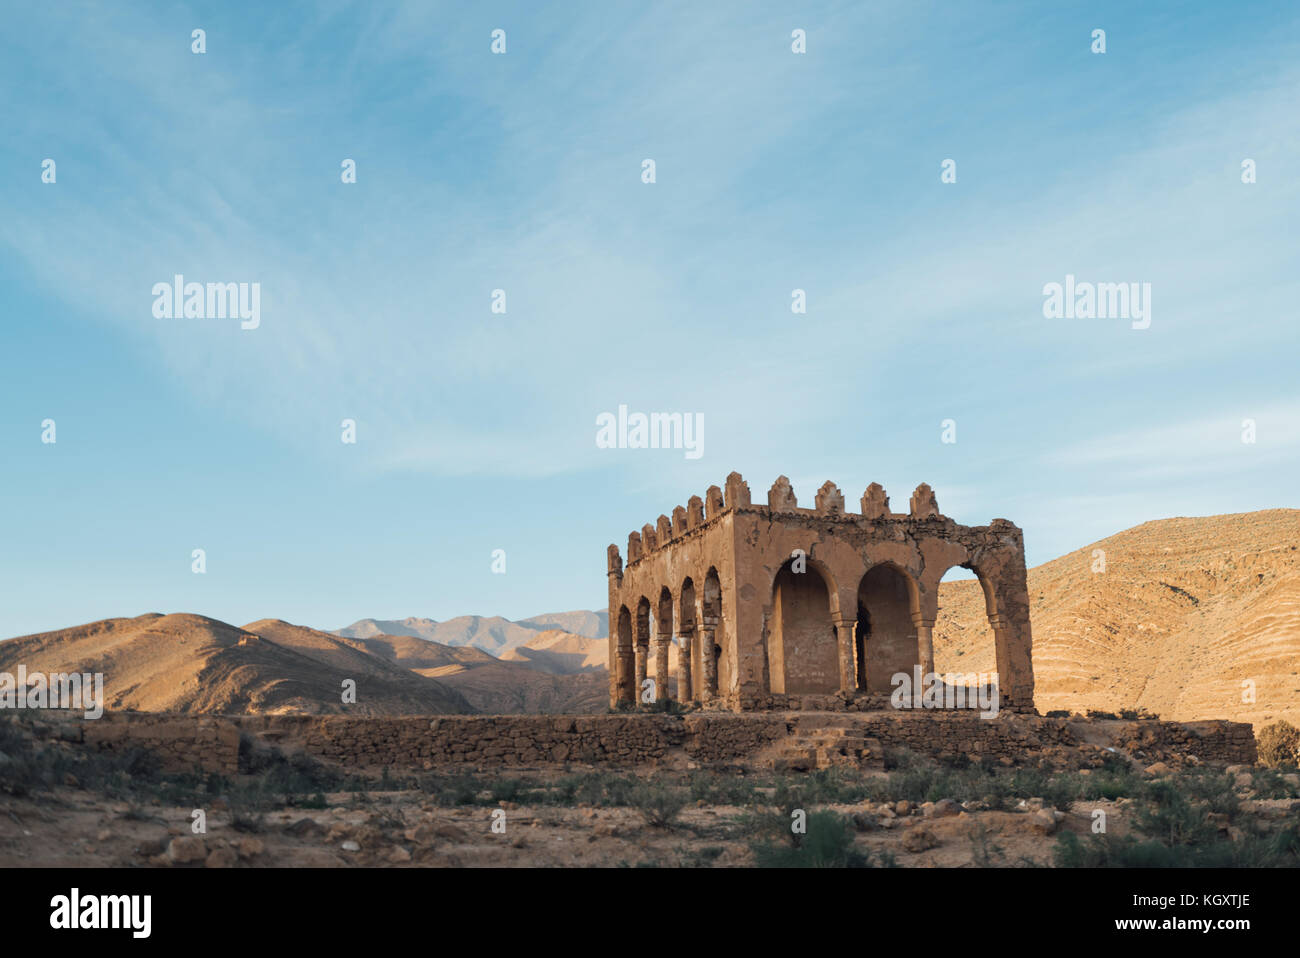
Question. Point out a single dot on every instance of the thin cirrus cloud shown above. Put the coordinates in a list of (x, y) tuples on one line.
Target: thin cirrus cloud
[(775, 172)]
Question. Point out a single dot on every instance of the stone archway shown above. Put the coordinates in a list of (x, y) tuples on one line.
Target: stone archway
[(711, 633), (885, 636), (803, 651), (690, 651)]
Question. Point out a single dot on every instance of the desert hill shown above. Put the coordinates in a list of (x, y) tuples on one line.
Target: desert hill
[(190, 663), (561, 653), (556, 672), (1186, 611), (510, 688)]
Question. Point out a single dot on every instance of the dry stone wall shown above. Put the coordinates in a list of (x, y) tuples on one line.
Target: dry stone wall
[(181, 743), (413, 743)]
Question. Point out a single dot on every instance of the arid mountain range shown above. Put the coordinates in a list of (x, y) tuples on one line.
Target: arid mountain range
[(1186, 618), (190, 663), (489, 633)]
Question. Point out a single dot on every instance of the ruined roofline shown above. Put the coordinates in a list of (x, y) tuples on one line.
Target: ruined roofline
[(700, 514)]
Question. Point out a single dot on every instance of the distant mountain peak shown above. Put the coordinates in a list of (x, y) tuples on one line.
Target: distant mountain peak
[(492, 634)]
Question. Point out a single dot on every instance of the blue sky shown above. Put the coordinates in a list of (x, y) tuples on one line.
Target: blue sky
[(522, 172)]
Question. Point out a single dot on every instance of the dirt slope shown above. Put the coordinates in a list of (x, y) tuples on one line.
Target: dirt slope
[(561, 653), (1184, 613)]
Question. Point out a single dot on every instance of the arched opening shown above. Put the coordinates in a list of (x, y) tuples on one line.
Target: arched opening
[(642, 646), (711, 633), (803, 655), (624, 676), (965, 653), (885, 636), (690, 644), (661, 644)]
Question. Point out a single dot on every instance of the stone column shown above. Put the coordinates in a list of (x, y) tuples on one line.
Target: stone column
[(623, 690), (662, 641), (1006, 696), (642, 654), (708, 657), (642, 666), (684, 690), (924, 642), (848, 668)]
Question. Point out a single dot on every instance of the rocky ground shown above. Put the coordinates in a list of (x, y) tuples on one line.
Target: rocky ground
[(589, 818), (76, 828)]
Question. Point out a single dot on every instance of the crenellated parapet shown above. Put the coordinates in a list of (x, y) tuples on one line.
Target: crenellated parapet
[(828, 503)]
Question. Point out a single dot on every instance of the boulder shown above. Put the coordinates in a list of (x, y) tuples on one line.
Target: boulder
[(186, 849), (919, 839), (222, 857)]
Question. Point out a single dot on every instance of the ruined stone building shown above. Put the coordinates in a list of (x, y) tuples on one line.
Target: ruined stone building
[(773, 606)]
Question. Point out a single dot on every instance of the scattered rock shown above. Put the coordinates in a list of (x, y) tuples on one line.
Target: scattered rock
[(152, 847), (944, 808), (350, 846), (919, 839), (1043, 821), (186, 849), (223, 857), (249, 847), (421, 834), (450, 832)]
